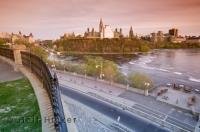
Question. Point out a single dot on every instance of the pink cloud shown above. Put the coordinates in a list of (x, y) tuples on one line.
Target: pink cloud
[(51, 18)]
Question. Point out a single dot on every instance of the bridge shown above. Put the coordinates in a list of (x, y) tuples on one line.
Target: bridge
[(44, 83)]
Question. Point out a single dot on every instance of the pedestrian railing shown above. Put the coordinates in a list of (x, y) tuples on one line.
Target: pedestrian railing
[(8, 53), (50, 83)]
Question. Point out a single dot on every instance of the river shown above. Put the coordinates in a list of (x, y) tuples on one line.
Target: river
[(181, 66)]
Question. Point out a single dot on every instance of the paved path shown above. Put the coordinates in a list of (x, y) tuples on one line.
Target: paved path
[(7, 72), (138, 102)]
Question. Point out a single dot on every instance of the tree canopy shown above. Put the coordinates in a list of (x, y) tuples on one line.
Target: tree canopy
[(140, 80)]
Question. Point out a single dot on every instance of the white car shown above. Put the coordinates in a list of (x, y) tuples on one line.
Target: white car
[(168, 84), (181, 85), (197, 91)]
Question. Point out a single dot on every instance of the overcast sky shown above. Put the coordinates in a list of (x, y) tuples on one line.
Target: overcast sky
[(48, 19)]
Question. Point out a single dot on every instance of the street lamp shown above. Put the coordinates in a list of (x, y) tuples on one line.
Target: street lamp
[(85, 73), (146, 88), (146, 85), (64, 67), (127, 85), (101, 72)]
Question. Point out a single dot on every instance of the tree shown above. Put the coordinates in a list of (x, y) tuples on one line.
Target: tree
[(39, 52), (140, 81), (95, 66), (2, 41), (22, 41), (144, 48), (110, 70), (91, 65)]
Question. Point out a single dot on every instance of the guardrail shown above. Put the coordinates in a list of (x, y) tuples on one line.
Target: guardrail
[(50, 83), (8, 53)]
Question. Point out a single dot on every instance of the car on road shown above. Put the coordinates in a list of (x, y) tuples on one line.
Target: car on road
[(181, 86), (169, 85), (197, 91), (187, 89)]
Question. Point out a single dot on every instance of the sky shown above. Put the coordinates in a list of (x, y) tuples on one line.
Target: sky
[(49, 19)]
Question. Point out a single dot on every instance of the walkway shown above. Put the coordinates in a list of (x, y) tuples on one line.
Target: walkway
[(7, 72)]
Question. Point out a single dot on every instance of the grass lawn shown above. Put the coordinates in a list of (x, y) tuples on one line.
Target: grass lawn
[(19, 110)]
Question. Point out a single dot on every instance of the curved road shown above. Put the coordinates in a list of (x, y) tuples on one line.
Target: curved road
[(127, 119)]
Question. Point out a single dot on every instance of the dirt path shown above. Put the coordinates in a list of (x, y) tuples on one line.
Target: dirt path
[(7, 72)]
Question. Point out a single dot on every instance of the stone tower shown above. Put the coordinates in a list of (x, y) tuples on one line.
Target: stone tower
[(101, 29), (131, 35)]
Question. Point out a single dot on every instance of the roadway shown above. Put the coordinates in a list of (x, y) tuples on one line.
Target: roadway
[(133, 122)]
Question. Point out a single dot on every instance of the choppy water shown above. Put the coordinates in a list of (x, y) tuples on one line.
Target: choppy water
[(175, 66)]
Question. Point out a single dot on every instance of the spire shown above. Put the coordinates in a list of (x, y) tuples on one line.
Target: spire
[(131, 33), (92, 31), (101, 22), (31, 35), (120, 31), (101, 26), (131, 28), (20, 33)]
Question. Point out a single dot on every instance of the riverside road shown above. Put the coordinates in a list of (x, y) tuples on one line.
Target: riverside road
[(128, 120)]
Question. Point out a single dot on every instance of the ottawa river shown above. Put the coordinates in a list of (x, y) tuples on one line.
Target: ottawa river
[(180, 66)]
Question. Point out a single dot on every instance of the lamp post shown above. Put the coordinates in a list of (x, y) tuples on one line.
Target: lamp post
[(85, 73), (101, 70), (64, 67), (146, 88), (127, 85)]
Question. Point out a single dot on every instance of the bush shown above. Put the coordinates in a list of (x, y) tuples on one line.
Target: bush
[(94, 65), (144, 48), (140, 81)]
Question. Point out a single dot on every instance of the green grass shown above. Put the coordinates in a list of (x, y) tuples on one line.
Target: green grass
[(19, 110)]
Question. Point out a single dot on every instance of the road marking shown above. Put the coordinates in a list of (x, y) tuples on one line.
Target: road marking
[(179, 111), (118, 118)]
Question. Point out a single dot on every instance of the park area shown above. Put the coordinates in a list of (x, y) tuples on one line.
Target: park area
[(19, 110)]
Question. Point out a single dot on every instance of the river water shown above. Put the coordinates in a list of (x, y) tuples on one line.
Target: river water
[(181, 66)]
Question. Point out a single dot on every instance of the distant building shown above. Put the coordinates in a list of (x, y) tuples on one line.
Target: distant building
[(29, 38), (157, 37), (5, 35), (177, 39), (193, 40), (108, 33), (174, 37), (153, 37), (173, 32), (118, 33), (92, 34), (105, 31), (68, 35), (160, 36)]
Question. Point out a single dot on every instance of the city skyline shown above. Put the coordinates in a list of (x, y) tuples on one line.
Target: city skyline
[(49, 19)]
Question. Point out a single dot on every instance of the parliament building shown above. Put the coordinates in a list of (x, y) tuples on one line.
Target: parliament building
[(105, 31)]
